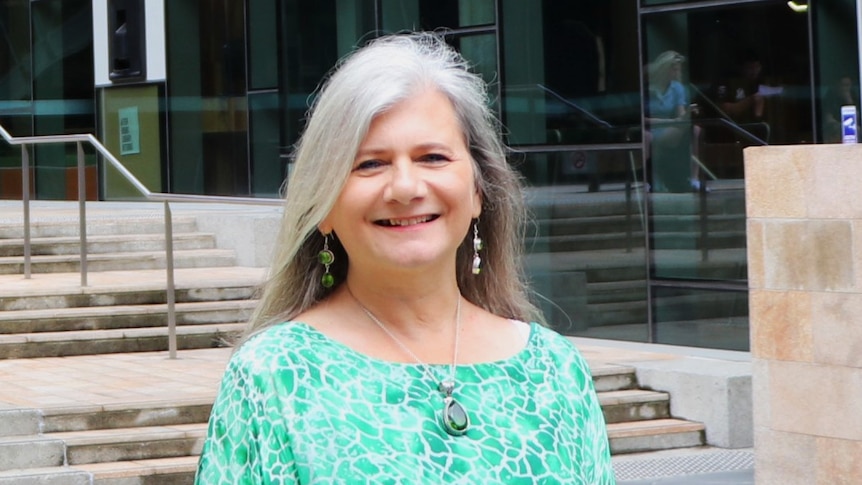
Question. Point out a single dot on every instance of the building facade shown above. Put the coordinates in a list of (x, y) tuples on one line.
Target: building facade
[(639, 212)]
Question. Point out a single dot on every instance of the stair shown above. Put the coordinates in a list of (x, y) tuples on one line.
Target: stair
[(146, 443), (158, 442), (128, 312), (639, 420), (127, 441)]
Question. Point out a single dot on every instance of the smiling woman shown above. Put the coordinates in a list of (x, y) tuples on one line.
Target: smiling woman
[(413, 362)]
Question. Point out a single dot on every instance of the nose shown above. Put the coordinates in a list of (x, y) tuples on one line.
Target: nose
[(405, 183)]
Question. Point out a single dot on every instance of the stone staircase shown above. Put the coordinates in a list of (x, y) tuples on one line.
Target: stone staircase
[(123, 317), (156, 441)]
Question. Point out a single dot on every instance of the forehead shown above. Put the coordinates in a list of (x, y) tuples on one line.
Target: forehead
[(424, 109)]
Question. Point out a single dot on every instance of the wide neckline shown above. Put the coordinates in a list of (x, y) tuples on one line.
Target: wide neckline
[(519, 355)]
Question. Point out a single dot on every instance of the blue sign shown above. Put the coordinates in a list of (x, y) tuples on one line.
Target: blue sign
[(849, 123)]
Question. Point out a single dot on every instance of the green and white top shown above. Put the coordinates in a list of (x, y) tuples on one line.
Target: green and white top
[(298, 407)]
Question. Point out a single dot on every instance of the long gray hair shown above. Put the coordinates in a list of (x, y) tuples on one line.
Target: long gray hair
[(363, 85)]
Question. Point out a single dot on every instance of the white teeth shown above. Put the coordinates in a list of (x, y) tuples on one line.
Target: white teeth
[(408, 222)]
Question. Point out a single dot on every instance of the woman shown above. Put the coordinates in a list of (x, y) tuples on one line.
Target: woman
[(669, 127), (389, 343)]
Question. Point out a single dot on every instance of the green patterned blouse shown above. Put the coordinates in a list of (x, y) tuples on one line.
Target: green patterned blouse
[(298, 407)]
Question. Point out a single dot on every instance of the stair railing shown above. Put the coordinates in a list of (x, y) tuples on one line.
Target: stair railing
[(166, 199)]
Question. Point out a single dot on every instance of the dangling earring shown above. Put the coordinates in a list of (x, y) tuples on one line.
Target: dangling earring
[(477, 246), (326, 257)]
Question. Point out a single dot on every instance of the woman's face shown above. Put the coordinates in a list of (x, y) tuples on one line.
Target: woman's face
[(675, 72), (411, 195)]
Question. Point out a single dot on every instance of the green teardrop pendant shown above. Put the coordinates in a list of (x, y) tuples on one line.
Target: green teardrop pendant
[(455, 418)]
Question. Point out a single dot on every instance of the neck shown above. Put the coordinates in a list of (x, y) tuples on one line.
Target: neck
[(407, 309)]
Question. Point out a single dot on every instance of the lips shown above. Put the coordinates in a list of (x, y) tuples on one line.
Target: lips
[(406, 221)]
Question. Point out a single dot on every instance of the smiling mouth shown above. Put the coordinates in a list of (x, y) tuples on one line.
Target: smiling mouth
[(411, 221)]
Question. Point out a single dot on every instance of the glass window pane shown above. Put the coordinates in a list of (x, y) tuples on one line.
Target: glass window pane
[(315, 35), (15, 105), (207, 104), (701, 318), (571, 72), (267, 168), (409, 15), (586, 248), (262, 44), (717, 80), (480, 50), (836, 47), (62, 88)]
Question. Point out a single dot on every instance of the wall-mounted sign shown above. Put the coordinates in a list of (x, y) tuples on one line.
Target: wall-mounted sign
[(130, 132)]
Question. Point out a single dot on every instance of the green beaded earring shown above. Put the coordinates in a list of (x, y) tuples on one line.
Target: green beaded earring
[(326, 257)]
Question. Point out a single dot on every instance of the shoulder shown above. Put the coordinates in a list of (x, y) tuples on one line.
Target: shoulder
[(273, 348), (558, 350)]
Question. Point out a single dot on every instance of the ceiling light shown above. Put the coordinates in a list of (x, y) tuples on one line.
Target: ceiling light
[(798, 7)]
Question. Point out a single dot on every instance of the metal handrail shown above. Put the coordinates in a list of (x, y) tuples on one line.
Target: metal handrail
[(80, 139)]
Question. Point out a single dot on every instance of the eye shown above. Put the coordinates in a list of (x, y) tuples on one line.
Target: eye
[(367, 165), (434, 158)]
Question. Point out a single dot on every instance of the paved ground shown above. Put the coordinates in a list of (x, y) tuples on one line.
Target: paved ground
[(724, 478)]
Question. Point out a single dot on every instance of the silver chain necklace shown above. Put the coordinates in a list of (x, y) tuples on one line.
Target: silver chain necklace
[(453, 416)]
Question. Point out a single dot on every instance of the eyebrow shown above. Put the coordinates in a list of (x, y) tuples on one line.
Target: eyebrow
[(430, 146)]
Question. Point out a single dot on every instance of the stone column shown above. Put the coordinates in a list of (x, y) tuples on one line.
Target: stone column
[(804, 209)]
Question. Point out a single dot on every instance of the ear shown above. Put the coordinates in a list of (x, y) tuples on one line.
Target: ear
[(477, 203), (325, 227)]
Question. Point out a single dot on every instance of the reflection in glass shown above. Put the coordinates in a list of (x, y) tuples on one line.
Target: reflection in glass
[(207, 105), (409, 15), (571, 72), (62, 60), (701, 318), (585, 248)]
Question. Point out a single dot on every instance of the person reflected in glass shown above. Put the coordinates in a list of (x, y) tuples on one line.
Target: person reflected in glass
[(391, 342), (743, 95), (671, 140), (841, 93)]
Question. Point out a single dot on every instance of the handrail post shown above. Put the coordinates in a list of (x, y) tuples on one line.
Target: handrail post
[(82, 212), (25, 197), (171, 296)]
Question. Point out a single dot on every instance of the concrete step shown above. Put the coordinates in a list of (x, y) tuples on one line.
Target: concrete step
[(126, 415), (193, 258), (30, 451), (653, 435), (143, 294), (105, 244), (92, 342), (121, 317), (161, 471), (178, 470), (129, 444), (97, 226), (612, 377), (634, 405), (58, 475)]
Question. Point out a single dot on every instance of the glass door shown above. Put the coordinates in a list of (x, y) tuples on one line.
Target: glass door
[(717, 79)]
